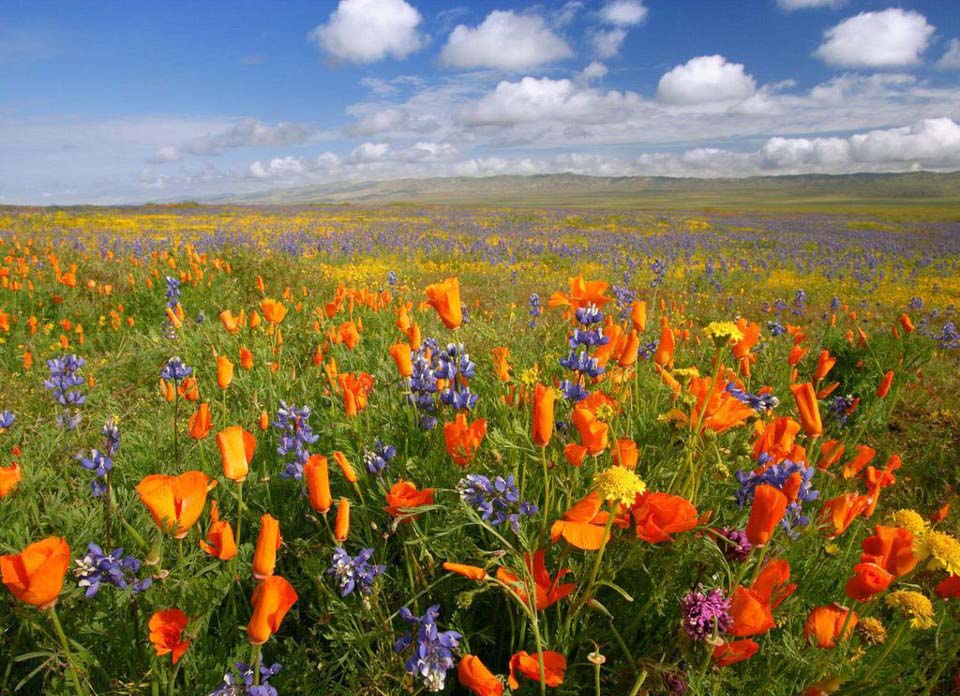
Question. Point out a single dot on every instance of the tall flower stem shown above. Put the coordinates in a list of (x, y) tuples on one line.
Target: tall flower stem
[(65, 644), (255, 661)]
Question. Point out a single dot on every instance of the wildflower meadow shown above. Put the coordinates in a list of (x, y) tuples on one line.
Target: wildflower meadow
[(410, 450)]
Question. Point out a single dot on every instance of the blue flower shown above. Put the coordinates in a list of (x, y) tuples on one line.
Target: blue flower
[(115, 569), (240, 681), (377, 459), (6, 420), (758, 402), (296, 434), (776, 475), (354, 572), (432, 654), (172, 292), (175, 371), (497, 501)]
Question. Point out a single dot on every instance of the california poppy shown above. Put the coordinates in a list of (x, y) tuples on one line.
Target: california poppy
[(825, 363), (838, 513), (271, 601), (548, 590), (474, 675), (543, 404), (949, 588), (584, 524), (175, 502), (10, 476), (626, 453), (864, 456), (404, 496), (345, 466), (444, 297), (273, 311), (594, 433), (341, 528), (769, 507), (830, 453), (166, 633), (200, 424), (402, 356), (554, 668), (885, 384), (806, 400), (501, 363), (660, 515), (463, 438), (891, 548), (230, 322), (316, 473), (35, 575), (582, 293), (470, 572), (355, 389), (224, 371), (268, 542), (236, 447), (638, 316), (752, 613), (663, 356), (220, 542), (773, 583), (735, 651), (868, 580), (246, 358), (824, 625)]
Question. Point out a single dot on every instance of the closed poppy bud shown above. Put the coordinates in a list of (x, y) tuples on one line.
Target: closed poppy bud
[(543, 405), (167, 390), (906, 323), (200, 424), (254, 319), (236, 447), (444, 297), (175, 502), (10, 477), (264, 422), (246, 358), (166, 633), (271, 601), (35, 575), (348, 472), (885, 384), (402, 356), (631, 350), (268, 542), (638, 316), (317, 475), (769, 507), (868, 580), (664, 353), (809, 409), (732, 652), (554, 668), (341, 528), (224, 371), (474, 676), (626, 453), (824, 364), (824, 625), (468, 571)]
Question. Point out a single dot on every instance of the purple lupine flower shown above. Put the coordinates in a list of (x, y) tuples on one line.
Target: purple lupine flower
[(172, 292), (97, 568), (6, 420), (354, 572), (536, 309), (296, 435), (776, 475), (240, 682), (705, 614), (174, 370), (758, 402), (378, 458), (432, 654), (497, 501)]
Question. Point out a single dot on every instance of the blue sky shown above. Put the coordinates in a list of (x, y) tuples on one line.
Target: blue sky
[(122, 101)]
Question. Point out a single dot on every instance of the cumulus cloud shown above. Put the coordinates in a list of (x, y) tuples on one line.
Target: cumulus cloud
[(504, 41), (607, 43), (593, 72), (624, 12), (364, 31), (951, 59), (167, 153), (884, 39), (705, 79), (791, 5)]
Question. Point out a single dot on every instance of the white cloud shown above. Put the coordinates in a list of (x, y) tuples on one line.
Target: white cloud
[(884, 39), (278, 167), (167, 153), (705, 79), (951, 59), (250, 133), (791, 5), (504, 41), (607, 44), (566, 14), (624, 12), (364, 31), (593, 72)]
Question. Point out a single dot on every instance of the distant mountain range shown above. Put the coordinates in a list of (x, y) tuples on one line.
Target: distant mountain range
[(801, 191)]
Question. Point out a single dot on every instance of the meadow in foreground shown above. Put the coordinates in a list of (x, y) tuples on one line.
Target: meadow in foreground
[(402, 451)]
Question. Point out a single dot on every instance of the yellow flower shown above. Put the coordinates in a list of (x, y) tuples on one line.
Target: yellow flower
[(912, 605), (619, 484), (722, 332), (943, 550), (605, 413), (872, 631), (911, 520)]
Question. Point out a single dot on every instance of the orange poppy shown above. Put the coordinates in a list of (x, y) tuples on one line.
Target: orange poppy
[(316, 473), (584, 525), (200, 423), (246, 358), (582, 293), (776, 439), (906, 322), (271, 601), (341, 527), (806, 399), (403, 496), (501, 363), (722, 410), (220, 542), (189, 389), (659, 515), (769, 507), (463, 439), (230, 322), (345, 466), (638, 316), (891, 548), (797, 354), (554, 668), (732, 652), (236, 447), (544, 399), (474, 676), (175, 502), (830, 453), (864, 456), (664, 353), (224, 371), (593, 432), (824, 624), (273, 311), (825, 363), (773, 583), (356, 389), (10, 477), (268, 543), (470, 572), (548, 590), (626, 453), (838, 513), (751, 612), (868, 580), (166, 633), (401, 354), (949, 588), (885, 384), (35, 575), (444, 297)]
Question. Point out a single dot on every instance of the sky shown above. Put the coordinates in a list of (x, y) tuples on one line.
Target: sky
[(120, 101)]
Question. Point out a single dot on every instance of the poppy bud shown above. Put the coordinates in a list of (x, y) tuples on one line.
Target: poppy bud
[(268, 542)]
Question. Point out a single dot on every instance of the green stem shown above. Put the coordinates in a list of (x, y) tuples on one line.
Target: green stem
[(255, 660), (639, 683), (891, 644), (65, 644)]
